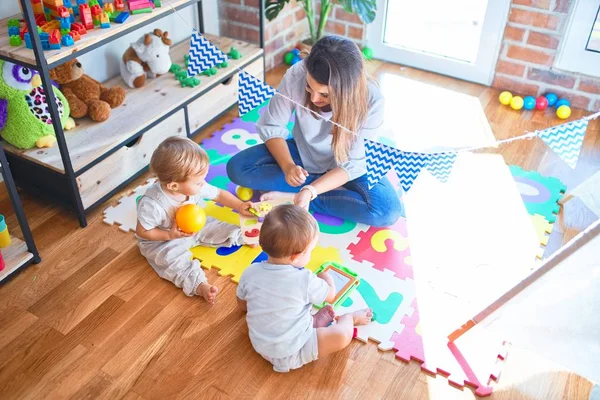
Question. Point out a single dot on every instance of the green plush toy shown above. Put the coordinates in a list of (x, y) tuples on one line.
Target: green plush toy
[(25, 120)]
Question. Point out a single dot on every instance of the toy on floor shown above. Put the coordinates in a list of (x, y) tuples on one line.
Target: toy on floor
[(244, 194), (190, 218), (563, 110), (251, 225), (147, 57), (25, 120), (292, 57), (368, 53), (4, 235), (344, 279)]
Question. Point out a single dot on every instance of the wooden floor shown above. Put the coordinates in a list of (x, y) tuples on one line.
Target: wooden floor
[(94, 321)]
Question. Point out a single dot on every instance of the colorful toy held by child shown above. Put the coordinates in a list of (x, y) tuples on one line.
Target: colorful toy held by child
[(278, 295), (181, 167)]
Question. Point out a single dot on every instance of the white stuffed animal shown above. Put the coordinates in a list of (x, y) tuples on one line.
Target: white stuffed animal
[(146, 57)]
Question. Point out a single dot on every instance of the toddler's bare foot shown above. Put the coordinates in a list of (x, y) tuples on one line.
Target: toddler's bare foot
[(323, 317), (273, 195), (362, 317), (208, 292)]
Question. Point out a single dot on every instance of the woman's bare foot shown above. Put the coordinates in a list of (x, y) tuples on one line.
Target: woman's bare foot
[(362, 317), (273, 195), (209, 292), (323, 317)]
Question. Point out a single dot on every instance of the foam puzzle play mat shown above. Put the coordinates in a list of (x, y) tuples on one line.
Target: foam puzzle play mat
[(381, 258)]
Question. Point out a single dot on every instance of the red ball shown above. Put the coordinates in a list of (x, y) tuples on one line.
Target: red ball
[(541, 103)]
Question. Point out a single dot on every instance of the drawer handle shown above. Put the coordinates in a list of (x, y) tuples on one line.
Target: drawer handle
[(227, 81), (134, 142)]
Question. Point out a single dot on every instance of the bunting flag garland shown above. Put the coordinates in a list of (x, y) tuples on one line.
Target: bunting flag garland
[(440, 165), (252, 93), (203, 55), (380, 159), (409, 168), (566, 140)]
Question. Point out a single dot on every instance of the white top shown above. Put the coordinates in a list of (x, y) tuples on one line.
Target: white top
[(279, 300), (152, 214), (313, 135)]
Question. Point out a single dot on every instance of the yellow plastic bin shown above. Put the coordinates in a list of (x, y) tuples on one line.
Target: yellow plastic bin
[(4, 235)]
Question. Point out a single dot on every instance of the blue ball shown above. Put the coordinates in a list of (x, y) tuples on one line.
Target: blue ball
[(295, 52), (529, 103), (296, 59), (552, 98), (562, 102)]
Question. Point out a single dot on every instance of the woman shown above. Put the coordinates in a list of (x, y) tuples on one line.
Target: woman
[(324, 163)]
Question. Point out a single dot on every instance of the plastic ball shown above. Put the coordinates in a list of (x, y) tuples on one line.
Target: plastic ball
[(190, 218), (563, 112), (296, 59), (541, 103), (243, 193), (516, 103), (552, 98), (505, 98), (529, 103), (368, 53), (562, 102), (288, 58), (295, 52)]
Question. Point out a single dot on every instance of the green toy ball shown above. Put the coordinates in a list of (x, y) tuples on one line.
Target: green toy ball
[(288, 58), (368, 53)]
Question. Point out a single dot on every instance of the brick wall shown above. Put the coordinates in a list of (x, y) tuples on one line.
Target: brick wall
[(239, 19), (529, 49)]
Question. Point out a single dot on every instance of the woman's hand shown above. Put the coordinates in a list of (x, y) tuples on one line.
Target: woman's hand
[(303, 198), (295, 175), (175, 233)]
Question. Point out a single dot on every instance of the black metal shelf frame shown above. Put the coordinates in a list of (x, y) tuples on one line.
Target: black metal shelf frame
[(43, 68)]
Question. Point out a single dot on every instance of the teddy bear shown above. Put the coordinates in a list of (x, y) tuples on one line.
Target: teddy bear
[(85, 95), (146, 57)]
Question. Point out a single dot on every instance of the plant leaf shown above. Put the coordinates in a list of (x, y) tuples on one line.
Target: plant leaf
[(365, 9), (274, 7)]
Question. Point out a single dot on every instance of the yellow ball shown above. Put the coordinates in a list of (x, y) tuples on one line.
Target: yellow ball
[(243, 193), (563, 112), (190, 218), (516, 103), (505, 98)]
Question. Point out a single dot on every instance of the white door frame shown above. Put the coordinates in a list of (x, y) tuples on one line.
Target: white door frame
[(482, 71)]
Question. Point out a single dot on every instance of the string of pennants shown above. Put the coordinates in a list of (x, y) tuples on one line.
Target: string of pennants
[(565, 140)]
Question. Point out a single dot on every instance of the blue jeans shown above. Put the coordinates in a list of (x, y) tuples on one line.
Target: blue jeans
[(380, 206)]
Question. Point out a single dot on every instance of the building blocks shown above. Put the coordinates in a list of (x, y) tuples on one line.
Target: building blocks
[(15, 40), (104, 21), (67, 40), (85, 16), (141, 11), (119, 5), (119, 17), (96, 13), (75, 35)]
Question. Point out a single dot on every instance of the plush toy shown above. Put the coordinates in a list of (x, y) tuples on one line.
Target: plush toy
[(86, 96), (25, 120), (146, 57)]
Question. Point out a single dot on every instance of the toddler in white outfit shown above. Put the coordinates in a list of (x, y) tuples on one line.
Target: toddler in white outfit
[(181, 167), (278, 295)]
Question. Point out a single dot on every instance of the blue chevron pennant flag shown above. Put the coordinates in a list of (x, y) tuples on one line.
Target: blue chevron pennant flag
[(380, 159), (566, 140), (409, 167), (440, 165), (252, 93), (203, 55)]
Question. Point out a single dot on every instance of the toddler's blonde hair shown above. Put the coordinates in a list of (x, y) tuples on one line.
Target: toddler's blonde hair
[(287, 230), (178, 158)]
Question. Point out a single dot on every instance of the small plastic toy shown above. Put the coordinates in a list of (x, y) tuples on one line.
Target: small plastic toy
[(119, 5), (234, 54), (209, 72), (529, 103), (189, 82), (552, 98), (287, 58), (119, 17), (2, 265), (505, 98), (344, 279), (104, 21), (541, 103), (67, 40), (190, 218), (85, 16), (562, 102), (563, 112), (174, 68), (146, 10), (516, 103), (244, 193), (368, 53), (15, 40), (252, 233), (4, 235)]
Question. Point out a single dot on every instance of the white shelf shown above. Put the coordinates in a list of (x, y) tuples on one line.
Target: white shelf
[(15, 256)]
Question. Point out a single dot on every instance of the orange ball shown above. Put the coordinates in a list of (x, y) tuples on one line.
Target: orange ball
[(190, 218)]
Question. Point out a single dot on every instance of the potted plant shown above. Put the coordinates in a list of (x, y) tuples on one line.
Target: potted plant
[(364, 9)]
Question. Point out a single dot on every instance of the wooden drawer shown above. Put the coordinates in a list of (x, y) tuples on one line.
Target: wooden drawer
[(127, 161), (220, 98)]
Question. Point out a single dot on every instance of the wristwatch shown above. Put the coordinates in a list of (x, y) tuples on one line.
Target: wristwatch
[(312, 191)]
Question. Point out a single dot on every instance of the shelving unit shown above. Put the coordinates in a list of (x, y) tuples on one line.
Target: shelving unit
[(19, 253), (94, 160)]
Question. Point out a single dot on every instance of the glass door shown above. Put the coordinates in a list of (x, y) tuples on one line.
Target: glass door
[(460, 38)]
